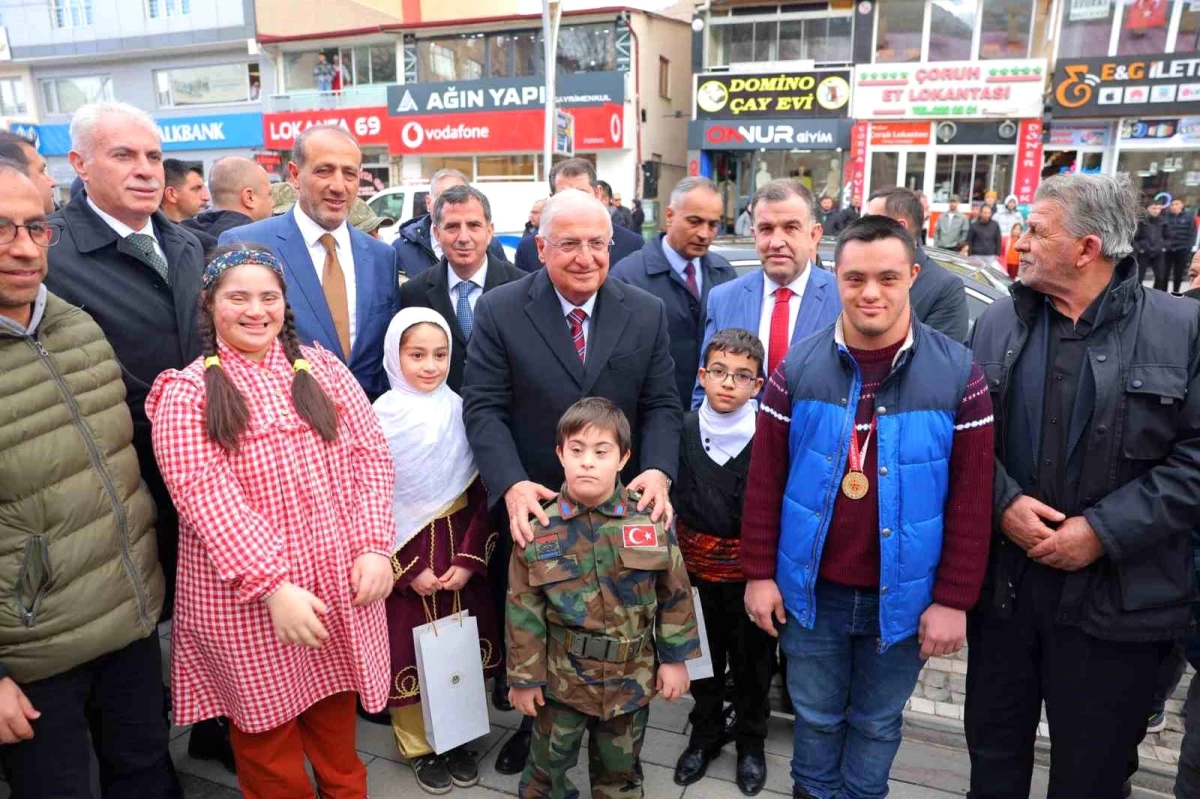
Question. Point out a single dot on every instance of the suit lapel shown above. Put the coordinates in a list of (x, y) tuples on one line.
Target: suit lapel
[(810, 307), (751, 297), (545, 312), (364, 285), (437, 293), (608, 323), (301, 274), (184, 286)]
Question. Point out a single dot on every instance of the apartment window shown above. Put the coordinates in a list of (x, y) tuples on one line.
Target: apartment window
[(12, 97), (1144, 28), (821, 32), (900, 28), (951, 27), (581, 48), (1004, 29), (159, 9), (664, 78), (206, 85), (370, 64), (1188, 40), (68, 95), (587, 48), (458, 58), (71, 13)]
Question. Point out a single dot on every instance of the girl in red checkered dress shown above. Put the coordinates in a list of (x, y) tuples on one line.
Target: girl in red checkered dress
[(283, 482)]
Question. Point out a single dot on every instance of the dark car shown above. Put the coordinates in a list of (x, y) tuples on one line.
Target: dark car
[(983, 283)]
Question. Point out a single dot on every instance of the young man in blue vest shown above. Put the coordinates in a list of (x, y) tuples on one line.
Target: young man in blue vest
[(868, 505)]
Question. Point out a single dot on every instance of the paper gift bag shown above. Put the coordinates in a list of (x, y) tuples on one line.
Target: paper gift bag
[(450, 670), (700, 668)]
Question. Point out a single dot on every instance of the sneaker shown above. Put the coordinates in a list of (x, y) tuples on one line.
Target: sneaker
[(432, 774), (1157, 723), (463, 767)]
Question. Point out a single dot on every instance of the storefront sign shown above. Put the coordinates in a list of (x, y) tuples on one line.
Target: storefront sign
[(1140, 129), (772, 94), (1067, 134), (899, 134), (574, 90), (773, 134), (1126, 86), (951, 89), (1029, 160), (370, 126), (177, 133), (856, 169), (1085, 10)]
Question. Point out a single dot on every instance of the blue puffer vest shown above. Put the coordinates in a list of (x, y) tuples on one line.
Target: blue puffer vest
[(915, 411)]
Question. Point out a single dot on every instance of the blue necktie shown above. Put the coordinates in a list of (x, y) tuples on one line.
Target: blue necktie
[(466, 320)]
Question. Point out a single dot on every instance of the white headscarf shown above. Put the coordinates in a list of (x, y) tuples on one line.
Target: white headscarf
[(725, 435), (425, 433)]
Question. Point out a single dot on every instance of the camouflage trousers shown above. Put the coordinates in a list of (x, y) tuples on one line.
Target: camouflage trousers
[(613, 748)]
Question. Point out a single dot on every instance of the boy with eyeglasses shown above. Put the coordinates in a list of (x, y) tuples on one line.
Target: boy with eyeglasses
[(714, 458)]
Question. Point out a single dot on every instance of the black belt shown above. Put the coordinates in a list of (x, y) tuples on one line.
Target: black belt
[(599, 647)]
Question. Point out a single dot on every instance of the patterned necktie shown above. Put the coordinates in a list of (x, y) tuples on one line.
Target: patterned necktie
[(780, 340), (145, 247), (466, 317), (575, 322), (333, 283), (689, 274)]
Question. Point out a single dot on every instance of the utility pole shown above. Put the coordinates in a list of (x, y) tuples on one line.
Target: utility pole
[(551, 16)]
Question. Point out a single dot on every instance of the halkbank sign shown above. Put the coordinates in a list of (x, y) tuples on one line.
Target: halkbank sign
[(216, 132)]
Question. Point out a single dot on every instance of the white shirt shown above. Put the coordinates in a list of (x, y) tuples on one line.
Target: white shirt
[(768, 305), (588, 307), (437, 245), (123, 230), (312, 233), (479, 278)]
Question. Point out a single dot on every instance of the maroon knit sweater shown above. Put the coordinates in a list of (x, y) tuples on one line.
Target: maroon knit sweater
[(851, 553)]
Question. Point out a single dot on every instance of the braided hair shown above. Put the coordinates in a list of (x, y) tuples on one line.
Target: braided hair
[(226, 414)]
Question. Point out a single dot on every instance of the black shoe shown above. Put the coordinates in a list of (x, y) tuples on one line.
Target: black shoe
[(463, 767), (382, 717), (209, 740), (432, 774), (514, 753), (500, 694), (693, 764), (638, 776), (751, 772)]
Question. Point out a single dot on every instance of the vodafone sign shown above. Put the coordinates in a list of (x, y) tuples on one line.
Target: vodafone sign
[(470, 132)]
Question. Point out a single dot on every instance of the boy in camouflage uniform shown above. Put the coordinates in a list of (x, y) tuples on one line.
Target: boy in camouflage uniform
[(600, 616)]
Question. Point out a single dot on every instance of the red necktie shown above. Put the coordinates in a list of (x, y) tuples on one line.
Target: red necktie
[(780, 339), (575, 322), (689, 273)]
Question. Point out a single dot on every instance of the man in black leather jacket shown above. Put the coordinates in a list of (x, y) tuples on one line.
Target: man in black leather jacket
[(1096, 387)]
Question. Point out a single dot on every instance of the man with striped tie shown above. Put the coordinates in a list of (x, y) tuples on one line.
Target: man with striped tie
[(548, 340), (462, 225)]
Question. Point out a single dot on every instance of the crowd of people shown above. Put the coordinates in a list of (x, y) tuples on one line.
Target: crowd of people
[(298, 443)]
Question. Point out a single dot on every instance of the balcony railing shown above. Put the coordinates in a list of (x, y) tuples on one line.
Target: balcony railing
[(312, 100)]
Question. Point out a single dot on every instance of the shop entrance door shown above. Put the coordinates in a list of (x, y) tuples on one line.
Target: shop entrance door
[(897, 168)]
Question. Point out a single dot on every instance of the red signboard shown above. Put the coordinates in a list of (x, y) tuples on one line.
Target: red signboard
[(899, 134), (596, 128), (858, 160), (1029, 160)]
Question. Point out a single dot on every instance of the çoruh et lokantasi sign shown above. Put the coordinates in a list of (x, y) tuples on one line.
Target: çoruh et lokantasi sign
[(950, 89)]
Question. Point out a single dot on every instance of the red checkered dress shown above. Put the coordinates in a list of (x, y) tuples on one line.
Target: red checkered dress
[(286, 506)]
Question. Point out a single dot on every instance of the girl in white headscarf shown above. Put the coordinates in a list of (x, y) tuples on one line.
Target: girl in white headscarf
[(443, 536)]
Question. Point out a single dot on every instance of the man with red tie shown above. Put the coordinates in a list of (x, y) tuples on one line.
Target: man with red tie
[(788, 298)]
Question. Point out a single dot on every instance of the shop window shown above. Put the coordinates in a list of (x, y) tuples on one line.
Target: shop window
[(1086, 28), (900, 27), (951, 26), (68, 95), (884, 167), (1188, 40), (506, 167), (587, 48), (1144, 28), (972, 176), (12, 97), (206, 85), (1154, 172), (914, 171), (463, 163), (1004, 29)]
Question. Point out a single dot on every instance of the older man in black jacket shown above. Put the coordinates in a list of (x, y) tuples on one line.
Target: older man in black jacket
[(1096, 388)]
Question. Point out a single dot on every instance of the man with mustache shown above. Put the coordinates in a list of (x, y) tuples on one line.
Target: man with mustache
[(462, 225)]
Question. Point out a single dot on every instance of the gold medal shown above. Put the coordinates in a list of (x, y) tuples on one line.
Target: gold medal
[(855, 485)]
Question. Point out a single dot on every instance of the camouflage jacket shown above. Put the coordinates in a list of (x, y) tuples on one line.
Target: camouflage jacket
[(615, 577)]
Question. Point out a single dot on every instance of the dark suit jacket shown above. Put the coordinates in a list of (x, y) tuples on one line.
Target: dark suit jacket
[(938, 298), (649, 269), (377, 293), (625, 243), (523, 373), (431, 289)]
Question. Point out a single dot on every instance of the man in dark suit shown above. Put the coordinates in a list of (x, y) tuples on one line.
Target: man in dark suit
[(544, 342), (462, 224), (937, 296), (343, 285), (678, 269), (577, 173)]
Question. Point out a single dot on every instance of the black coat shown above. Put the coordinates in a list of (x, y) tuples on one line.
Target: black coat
[(938, 299), (431, 289), (1180, 230), (845, 218), (649, 269), (207, 226), (983, 238), (625, 242), (1151, 236), (1140, 473), (523, 373), (414, 247), (150, 323)]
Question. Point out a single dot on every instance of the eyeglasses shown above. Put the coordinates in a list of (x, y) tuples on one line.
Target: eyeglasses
[(573, 246), (740, 379), (43, 234)]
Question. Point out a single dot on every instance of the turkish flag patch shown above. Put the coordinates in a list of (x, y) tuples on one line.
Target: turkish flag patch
[(640, 535)]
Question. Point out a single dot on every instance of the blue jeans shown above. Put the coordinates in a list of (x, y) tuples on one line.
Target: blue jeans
[(849, 697)]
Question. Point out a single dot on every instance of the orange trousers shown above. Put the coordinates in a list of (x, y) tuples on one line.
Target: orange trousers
[(270, 765)]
